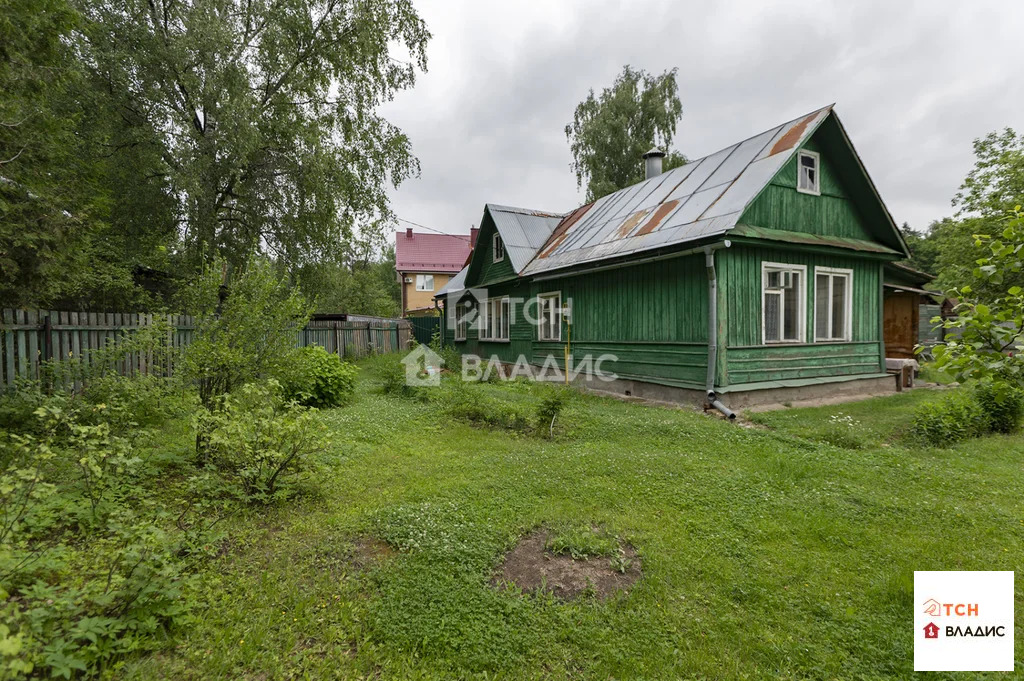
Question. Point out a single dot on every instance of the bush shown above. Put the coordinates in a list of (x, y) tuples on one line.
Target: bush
[(1002, 403), (258, 443), (84, 579), (956, 417), (551, 405), (319, 379), (127, 403), (248, 336)]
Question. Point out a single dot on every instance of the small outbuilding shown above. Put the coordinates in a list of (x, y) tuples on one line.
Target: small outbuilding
[(907, 310)]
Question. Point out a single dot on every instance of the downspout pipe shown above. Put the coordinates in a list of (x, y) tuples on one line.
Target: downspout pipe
[(709, 263)]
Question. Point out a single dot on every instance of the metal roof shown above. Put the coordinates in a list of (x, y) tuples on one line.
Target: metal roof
[(701, 199), (455, 284), (420, 252), (523, 231)]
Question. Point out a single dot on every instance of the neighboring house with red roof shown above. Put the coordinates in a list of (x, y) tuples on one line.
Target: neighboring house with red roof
[(425, 263)]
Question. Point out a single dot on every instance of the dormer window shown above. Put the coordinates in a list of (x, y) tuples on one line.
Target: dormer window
[(497, 248), (808, 172)]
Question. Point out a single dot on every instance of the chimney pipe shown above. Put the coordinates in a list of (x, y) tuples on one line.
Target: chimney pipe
[(652, 163), (473, 233), (408, 232)]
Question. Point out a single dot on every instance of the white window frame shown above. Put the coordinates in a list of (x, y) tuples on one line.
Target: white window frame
[(767, 267), (461, 310), (497, 245), (499, 309), (833, 272), (423, 278), (816, 189), (556, 313)]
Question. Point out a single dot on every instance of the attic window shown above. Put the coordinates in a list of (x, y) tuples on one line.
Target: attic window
[(497, 248), (808, 172)]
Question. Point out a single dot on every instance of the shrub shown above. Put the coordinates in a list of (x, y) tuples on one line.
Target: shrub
[(126, 587), (247, 336), (319, 379), (1002, 403), (551, 405), (126, 403), (956, 417), (84, 579), (259, 443)]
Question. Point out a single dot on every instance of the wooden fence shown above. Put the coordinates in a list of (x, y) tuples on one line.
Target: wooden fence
[(31, 339), (357, 339)]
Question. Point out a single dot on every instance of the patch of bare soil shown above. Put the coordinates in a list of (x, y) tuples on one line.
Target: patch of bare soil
[(531, 567), (368, 551)]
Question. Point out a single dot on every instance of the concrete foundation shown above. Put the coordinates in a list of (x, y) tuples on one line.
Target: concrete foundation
[(752, 395)]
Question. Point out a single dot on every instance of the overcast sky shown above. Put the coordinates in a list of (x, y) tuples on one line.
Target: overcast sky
[(914, 84)]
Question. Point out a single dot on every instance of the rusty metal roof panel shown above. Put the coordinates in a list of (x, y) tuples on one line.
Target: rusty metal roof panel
[(789, 135), (699, 200)]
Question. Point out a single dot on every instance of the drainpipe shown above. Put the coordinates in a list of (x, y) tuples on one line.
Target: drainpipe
[(709, 263)]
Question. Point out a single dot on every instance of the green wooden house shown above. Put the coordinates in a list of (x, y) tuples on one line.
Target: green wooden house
[(753, 274)]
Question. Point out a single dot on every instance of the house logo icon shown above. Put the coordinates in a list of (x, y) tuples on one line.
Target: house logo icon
[(932, 607), (931, 630), (469, 309), (423, 367)]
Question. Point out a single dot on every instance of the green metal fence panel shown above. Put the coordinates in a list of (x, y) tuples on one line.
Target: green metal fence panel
[(423, 328)]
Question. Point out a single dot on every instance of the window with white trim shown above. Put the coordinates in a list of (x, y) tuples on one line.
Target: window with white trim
[(783, 303), (549, 317), (494, 321), (424, 282), (808, 172), (497, 248), (461, 322), (833, 304)]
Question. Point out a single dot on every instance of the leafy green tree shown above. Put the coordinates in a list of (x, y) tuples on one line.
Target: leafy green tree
[(923, 247), (355, 287), (996, 183), (261, 114), (986, 338), (610, 133)]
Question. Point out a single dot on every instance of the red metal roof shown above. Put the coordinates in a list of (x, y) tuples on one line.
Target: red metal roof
[(419, 252)]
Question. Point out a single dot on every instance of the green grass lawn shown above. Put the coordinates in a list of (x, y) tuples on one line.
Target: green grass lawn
[(766, 551)]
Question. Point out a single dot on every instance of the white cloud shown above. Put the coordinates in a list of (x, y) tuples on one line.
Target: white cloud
[(914, 84)]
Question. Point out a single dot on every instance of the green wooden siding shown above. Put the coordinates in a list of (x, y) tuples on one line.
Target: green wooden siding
[(485, 271), (651, 317), (781, 206), (748, 361)]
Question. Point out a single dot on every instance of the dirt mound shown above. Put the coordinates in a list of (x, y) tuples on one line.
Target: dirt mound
[(531, 567)]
